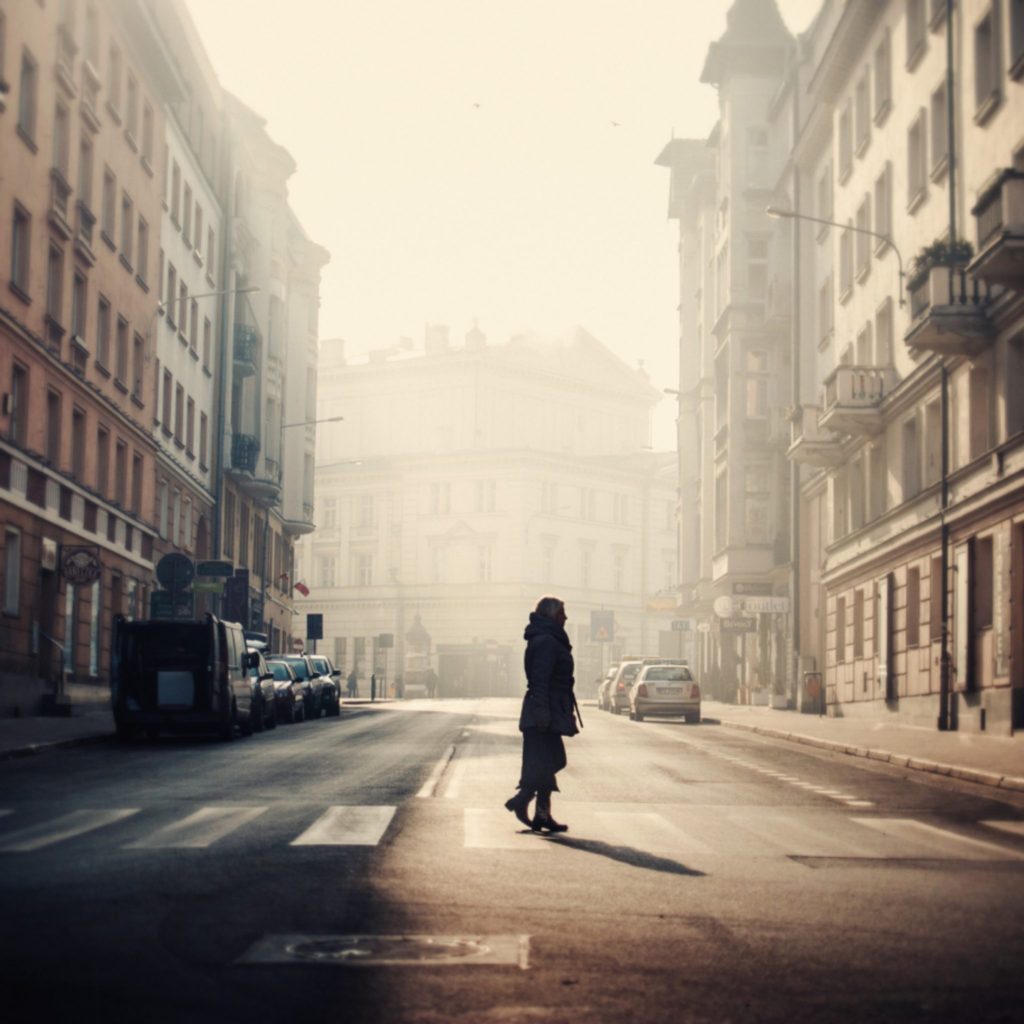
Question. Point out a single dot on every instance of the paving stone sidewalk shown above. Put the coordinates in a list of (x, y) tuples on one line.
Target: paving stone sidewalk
[(988, 760)]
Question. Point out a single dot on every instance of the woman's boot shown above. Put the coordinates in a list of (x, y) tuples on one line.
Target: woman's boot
[(519, 805), (542, 820)]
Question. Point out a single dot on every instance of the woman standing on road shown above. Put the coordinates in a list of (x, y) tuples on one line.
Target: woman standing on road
[(547, 713)]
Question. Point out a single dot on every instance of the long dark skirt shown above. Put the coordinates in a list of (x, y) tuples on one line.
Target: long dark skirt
[(543, 757)]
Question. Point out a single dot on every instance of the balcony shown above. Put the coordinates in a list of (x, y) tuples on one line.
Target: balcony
[(246, 349), (60, 193), (265, 489), (245, 450), (949, 312), (85, 221), (999, 214), (810, 443), (852, 397)]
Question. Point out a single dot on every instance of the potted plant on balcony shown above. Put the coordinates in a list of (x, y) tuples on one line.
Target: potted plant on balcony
[(931, 272)]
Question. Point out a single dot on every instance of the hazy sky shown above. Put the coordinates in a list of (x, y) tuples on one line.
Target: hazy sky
[(459, 159)]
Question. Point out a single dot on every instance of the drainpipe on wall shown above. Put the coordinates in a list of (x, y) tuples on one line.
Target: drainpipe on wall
[(794, 467)]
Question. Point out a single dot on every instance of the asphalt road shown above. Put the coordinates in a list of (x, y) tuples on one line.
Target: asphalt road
[(708, 875)]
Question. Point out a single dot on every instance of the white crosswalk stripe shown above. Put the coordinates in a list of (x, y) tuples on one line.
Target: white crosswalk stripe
[(348, 826), (496, 829), (75, 823), (938, 842), (198, 830)]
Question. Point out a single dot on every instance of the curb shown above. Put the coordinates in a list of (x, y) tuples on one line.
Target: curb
[(41, 748), (982, 778)]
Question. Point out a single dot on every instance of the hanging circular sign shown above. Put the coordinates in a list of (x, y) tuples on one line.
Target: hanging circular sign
[(175, 571), (80, 566)]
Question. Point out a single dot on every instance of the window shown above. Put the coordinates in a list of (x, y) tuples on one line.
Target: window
[(863, 240), (21, 232), (176, 194), (193, 329), (823, 201), (845, 142), (884, 334), (12, 571), (840, 630), (326, 571), (179, 414), (186, 227), (79, 299), (917, 160), (203, 429), (858, 624), (211, 254), (362, 569), (883, 208), (142, 254), (108, 212), (913, 607), (190, 427), (862, 112), (757, 267), (1016, 37), (917, 28), (911, 459), (198, 233), (207, 342), (138, 358), (102, 459), (757, 384), (131, 116), (483, 564), (721, 509), (825, 311), (121, 352), (883, 77), (127, 226), (61, 139), (77, 443), (182, 308), (137, 478), (936, 599), (147, 134), (103, 332), (845, 264), (163, 507), (121, 473), (940, 143), (27, 87), (166, 404), (55, 284), (485, 495), (114, 79), (19, 405), (865, 355), (172, 291), (85, 154), (987, 65), (53, 426), (981, 598), (330, 513), (981, 409), (365, 510)]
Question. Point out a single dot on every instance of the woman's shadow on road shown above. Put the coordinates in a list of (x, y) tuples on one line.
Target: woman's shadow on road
[(626, 855)]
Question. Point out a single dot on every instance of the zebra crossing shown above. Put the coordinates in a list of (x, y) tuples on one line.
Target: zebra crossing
[(698, 836)]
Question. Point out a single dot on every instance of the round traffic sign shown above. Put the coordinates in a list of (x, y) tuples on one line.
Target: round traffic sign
[(175, 571)]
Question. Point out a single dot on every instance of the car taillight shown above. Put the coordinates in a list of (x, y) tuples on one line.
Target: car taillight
[(695, 692), (641, 690), (621, 687)]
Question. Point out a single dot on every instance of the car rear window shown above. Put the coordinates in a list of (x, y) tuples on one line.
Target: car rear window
[(629, 672), (298, 666), (668, 674)]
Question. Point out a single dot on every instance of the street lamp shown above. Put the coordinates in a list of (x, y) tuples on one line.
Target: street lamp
[(310, 423), (780, 214), (161, 307)]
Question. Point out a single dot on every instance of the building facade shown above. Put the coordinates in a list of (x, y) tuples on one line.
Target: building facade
[(465, 483), (735, 387), (896, 223), (113, 366)]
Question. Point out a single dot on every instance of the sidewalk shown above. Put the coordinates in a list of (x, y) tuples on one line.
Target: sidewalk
[(34, 734), (988, 760)]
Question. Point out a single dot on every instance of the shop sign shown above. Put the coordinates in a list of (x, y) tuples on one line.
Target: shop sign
[(80, 566), (738, 624), (753, 589), (761, 605), (214, 567)]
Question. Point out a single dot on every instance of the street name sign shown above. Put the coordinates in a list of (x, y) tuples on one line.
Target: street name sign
[(215, 567)]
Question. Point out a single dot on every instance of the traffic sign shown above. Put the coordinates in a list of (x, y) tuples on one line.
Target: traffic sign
[(214, 567), (208, 586), (602, 626), (175, 571), (314, 626), (682, 625)]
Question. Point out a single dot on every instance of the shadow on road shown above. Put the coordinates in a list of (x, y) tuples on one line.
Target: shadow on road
[(626, 855)]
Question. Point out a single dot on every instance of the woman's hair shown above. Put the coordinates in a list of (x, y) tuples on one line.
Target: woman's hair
[(549, 606)]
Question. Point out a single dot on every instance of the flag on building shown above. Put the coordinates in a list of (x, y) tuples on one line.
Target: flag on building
[(302, 588)]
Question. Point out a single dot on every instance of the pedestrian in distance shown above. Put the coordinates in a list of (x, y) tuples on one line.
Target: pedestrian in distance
[(547, 714), (353, 683), (373, 686)]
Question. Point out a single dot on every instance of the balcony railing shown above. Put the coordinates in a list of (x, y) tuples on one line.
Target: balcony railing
[(949, 312), (851, 397), (245, 450), (999, 216), (810, 442)]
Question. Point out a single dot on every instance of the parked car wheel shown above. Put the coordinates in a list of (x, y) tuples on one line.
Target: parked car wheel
[(334, 710), (270, 716), (693, 719), (257, 721)]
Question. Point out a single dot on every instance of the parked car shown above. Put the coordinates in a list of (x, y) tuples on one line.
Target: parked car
[(618, 691), (604, 685), (264, 703), (170, 676), (318, 690), (664, 689), (331, 698), (289, 694)]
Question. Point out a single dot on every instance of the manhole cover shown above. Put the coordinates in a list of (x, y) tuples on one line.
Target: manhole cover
[(389, 950)]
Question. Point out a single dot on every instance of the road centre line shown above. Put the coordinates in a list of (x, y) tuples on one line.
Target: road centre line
[(427, 789)]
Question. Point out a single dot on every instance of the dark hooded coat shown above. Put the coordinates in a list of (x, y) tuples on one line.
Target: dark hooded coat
[(548, 703)]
